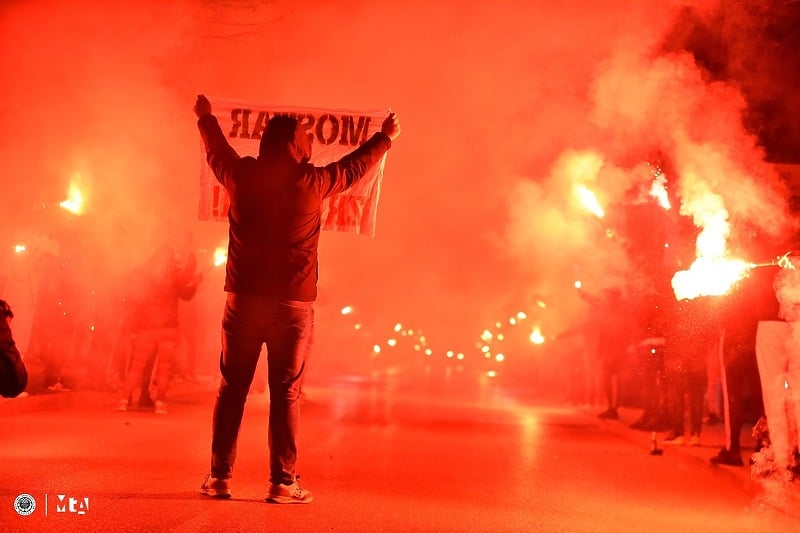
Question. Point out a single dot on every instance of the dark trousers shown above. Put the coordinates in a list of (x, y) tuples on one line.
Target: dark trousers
[(739, 377), (686, 388), (286, 327)]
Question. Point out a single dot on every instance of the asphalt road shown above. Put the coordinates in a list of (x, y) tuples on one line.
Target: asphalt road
[(378, 456)]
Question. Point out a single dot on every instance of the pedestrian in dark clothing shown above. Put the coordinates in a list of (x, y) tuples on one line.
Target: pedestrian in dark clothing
[(613, 334), (693, 334), (13, 373), (271, 281), (752, 300), (168, 277)]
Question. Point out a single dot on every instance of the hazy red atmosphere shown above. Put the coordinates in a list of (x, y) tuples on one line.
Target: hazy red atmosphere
[(505, 107)]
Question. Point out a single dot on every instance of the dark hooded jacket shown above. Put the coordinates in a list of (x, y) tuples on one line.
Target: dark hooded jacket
[(13, 374), (275, 205)]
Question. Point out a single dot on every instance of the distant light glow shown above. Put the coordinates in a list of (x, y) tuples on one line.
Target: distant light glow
[(19, 248), (347, 309), (536, 336)]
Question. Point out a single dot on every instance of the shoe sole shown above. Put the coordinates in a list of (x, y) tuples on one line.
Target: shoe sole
[(215, 494), (286, 499)]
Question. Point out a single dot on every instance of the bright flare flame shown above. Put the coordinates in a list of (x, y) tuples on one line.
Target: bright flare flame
[(75, 202), (220, 256), (712, 273), (708, 276), (588, 199), (346, 310), (19, 248)]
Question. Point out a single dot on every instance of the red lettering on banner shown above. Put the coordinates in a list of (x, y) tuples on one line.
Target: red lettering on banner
[(219, 201), (345, 210)]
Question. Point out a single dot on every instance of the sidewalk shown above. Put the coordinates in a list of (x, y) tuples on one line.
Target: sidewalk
[(712, 438)]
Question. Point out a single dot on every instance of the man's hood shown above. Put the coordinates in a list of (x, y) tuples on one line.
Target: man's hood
[(284, 135)]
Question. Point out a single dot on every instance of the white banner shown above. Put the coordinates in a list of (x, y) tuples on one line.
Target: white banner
[(335, 133)]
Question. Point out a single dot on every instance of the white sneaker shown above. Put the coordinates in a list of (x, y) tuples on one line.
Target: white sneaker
[(280, 493)]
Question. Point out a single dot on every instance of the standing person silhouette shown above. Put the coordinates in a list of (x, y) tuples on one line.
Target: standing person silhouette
[(13, 373), (271, 281)]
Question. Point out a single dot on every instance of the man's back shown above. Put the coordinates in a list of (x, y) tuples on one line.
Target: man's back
[(275, 205)]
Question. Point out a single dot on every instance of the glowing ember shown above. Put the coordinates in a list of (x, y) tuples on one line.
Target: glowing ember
[(588, 199), (346, 310), (220, 256), (578, 284), (536, 336), (708, 276), (19, 248), (75, 202)]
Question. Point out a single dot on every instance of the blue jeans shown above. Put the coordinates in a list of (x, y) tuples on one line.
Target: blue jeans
[(286, 327)]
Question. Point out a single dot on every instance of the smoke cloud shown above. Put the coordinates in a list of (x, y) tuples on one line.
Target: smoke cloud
[(477, 217)]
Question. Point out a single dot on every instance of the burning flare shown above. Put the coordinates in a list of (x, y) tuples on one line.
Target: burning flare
[(75, 202), (712, 273), (588, 199), (220, 256), (709, 276)]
